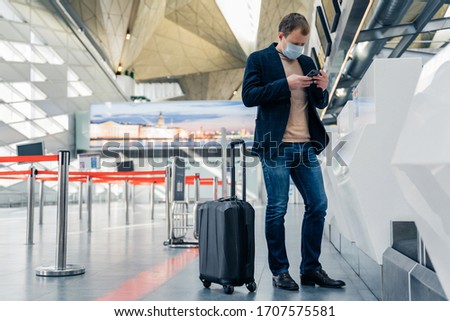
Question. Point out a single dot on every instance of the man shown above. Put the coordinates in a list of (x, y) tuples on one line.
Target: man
[(288, 135)]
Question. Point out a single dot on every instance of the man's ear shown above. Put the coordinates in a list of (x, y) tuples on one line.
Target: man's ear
[(280, 35)]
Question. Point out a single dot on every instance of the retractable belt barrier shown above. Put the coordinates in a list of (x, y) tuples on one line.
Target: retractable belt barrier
[(63, 158), (29, 175), (63, 177), (134, 178)]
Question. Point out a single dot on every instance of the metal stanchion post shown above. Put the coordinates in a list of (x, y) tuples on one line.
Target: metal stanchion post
[(61, 268), (133, 195), (80, 200), (186, 193), (215, 188), (30, 207), (127, 199), (41, 202), (152, 200), (197, 187), (89, 202), (168, 199), (109, 199)]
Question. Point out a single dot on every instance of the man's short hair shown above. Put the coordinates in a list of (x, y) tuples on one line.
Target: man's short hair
[(293, 21)]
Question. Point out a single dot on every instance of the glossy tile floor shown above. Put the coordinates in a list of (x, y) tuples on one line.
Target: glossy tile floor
[(129, 261)]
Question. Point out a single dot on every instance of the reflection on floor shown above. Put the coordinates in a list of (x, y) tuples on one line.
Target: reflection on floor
[(129, 262)]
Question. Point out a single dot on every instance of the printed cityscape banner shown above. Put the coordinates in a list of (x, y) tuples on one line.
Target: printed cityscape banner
[(170, 123)]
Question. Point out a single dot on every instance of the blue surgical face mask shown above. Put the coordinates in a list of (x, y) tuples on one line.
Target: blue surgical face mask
[(292, 51)]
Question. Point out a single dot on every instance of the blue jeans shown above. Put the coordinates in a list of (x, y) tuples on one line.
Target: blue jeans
[(299, 162)]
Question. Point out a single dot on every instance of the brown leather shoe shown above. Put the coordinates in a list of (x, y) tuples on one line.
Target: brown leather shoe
[(321, 278), (284, 281)]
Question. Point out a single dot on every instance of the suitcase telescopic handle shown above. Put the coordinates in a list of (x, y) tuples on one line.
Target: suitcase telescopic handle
[(233, 144)]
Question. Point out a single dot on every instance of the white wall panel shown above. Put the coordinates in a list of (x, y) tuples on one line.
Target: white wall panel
[(422, 162), (368, 194)]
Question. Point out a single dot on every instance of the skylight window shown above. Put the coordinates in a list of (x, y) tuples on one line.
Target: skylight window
[(49, 54), (29, 110), (63, 120), (36, 75), (71, 75), (30, 91), (8, 94), (78, 88), (6, 151), (28, 129), (9, 53), (243, 18), (29, 52), (7, 12), (9, 116), (35, 39), (49, 125)]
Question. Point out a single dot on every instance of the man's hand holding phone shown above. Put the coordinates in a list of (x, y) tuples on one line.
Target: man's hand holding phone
[(297, 82), (319, 78)]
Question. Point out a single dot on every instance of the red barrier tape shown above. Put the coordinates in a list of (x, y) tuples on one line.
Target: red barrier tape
[(27, 172), (134, 181), (134, 178), (21, 178), (28, 159), (118, 174)]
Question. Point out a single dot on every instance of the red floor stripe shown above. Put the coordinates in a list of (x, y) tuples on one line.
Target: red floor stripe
[(148, 281)]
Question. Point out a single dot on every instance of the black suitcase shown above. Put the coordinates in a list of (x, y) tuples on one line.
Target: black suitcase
[(227, 237)]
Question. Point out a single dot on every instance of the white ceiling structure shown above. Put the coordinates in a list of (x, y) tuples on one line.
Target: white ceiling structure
[(46, 76), (199, 43)]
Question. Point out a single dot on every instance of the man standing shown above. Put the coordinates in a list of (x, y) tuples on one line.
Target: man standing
[(288, 136)]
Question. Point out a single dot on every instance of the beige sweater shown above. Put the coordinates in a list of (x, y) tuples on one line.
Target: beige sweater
[(297, 126)]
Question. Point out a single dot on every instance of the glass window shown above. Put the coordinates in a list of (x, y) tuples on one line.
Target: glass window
[(36, 75), (81, 88), (50, 55), (63, 120), (7, 12), (29, 110), (29, 52), (30, 91), (8, 94), (28, 129), (49, 125), (71, 75), (6, 151), (9, 53), (9, 116)]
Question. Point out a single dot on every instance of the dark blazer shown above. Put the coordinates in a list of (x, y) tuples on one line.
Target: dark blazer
[(265, 86)]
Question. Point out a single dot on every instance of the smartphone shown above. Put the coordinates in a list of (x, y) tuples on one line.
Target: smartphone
[(313, 73)]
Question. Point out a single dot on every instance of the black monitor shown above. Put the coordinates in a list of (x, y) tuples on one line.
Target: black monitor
[(323, 32), (125, 166), (332, 13), (33, 149)]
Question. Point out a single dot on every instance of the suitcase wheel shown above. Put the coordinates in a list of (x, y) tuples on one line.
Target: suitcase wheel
[(206, 284), (251, 286), (228, 289)]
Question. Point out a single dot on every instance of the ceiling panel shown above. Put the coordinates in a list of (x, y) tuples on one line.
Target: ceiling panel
[(15, 72), (53, 72), (10, 135), (174, 51), (50, 107)]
